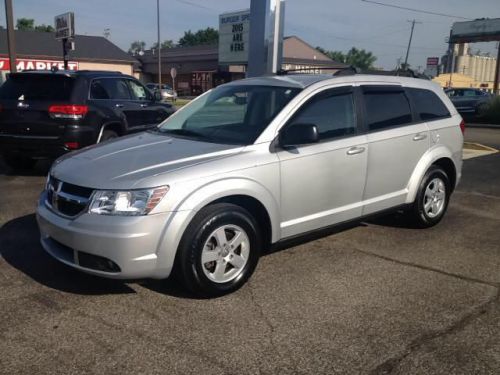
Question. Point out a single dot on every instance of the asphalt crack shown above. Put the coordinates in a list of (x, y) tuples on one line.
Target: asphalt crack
[(390, 364)]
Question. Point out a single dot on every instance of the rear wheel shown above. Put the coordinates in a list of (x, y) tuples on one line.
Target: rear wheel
[(107, 135), (19, 161), (219, 250), (432, 198)]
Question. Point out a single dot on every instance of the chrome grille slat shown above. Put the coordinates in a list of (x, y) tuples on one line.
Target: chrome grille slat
[(63, 200)]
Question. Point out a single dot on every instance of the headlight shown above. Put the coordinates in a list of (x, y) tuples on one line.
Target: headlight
[(127, 203)]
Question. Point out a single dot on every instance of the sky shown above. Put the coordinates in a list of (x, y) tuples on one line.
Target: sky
[(331, 24)]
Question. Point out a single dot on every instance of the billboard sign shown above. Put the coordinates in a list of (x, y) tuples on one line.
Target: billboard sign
[(65, 25), (29, 64), (483, 30), (234, 31)]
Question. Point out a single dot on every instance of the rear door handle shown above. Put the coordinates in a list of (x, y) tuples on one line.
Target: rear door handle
[(419, 137), (355, 150), (143, 105), (119, 105)]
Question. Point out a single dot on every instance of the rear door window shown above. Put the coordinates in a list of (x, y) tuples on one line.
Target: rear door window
[(386, 107), (47, 87), (428, 105), (109, 88)]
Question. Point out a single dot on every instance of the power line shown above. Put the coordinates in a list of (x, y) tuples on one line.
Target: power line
[(196, 5), (415, 10)]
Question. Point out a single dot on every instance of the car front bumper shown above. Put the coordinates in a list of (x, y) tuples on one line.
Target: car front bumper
[(119, 247)]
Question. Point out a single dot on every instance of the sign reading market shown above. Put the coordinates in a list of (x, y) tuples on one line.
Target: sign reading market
[(31, 64)]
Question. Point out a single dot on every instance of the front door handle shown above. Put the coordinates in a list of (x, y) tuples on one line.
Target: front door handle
[(419, 137), (119, 105), (144, 105), (355, 150)]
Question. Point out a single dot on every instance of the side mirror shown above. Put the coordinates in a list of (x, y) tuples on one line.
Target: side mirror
[(157, 96), (298, 134)]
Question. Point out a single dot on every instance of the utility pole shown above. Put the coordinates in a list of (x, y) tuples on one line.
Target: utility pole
[(11, 41), (159, 44), (413, 22)]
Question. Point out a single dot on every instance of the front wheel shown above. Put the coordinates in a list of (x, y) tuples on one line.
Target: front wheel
[(432, 198), (219, 250)]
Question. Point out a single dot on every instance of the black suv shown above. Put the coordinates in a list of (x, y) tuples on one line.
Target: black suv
[(44, 114)]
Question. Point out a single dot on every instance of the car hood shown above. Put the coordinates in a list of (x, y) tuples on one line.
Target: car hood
[(127, 163)]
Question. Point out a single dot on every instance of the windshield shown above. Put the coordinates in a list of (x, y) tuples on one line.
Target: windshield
[(230, 114)]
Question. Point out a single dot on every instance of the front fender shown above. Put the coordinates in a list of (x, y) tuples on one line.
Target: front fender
[(185, 211), (434, 153)]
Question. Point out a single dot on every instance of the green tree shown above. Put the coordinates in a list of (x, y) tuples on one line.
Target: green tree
[(356, 57), (45, 28), (200, 37), (136, 46), (165, 44), (25, 24), (28, 24)]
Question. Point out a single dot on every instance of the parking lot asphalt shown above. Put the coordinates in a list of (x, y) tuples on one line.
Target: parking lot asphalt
[(377, 297)]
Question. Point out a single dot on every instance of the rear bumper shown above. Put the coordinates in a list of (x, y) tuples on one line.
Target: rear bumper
[(41, 146)]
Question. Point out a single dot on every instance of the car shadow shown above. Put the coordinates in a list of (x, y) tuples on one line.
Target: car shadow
[(41, 168), (20, 248)]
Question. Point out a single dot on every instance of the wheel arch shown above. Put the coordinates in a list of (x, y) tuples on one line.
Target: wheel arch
[(115, 126), (440, 156)]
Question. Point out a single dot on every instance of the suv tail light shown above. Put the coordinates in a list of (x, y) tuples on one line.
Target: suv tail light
[(71, 111), (462, 126)]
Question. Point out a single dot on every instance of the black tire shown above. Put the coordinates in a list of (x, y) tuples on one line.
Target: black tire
[(107, 135), (188, 266), (16, 162), (421, 216)]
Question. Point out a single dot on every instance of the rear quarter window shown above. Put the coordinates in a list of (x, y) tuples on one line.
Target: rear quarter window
[(37, 87), (428, 105)]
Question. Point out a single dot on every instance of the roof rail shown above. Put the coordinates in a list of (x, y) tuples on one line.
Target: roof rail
[(348, 70)]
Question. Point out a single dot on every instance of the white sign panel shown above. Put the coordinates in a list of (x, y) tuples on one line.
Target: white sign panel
[(234, 30), (65, 25)]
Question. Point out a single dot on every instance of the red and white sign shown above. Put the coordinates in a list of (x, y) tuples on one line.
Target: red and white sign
[(432, 61), (29, 64)]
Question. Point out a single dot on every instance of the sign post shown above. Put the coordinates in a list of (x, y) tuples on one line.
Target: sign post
[(173, 74), (65, 31)]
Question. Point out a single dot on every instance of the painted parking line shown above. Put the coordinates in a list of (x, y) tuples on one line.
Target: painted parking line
[(475, 150)]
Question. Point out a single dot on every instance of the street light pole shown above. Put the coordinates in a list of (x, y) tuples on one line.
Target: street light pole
[(159, 44), (11, 41)]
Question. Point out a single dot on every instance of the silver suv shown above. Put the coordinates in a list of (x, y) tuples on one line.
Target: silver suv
[(246, 165)]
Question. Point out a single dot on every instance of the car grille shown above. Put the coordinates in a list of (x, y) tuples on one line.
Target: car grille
[(67, 199)]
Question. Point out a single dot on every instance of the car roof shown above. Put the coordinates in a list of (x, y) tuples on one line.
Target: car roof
[(304, 80), (72, 73)]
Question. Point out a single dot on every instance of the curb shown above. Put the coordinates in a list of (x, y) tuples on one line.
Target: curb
[(486, 126)]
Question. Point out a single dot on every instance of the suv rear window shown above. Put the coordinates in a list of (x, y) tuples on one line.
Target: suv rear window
[(386, 108), (37, 87), (427, 104)]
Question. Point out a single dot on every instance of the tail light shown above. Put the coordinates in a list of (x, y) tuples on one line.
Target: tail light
[(71, 111), (72, 145), (462, 126)]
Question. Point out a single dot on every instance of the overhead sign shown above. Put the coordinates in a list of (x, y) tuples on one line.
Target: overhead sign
[(483, 30), (234, 31), (65, 25), (29, 64)]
